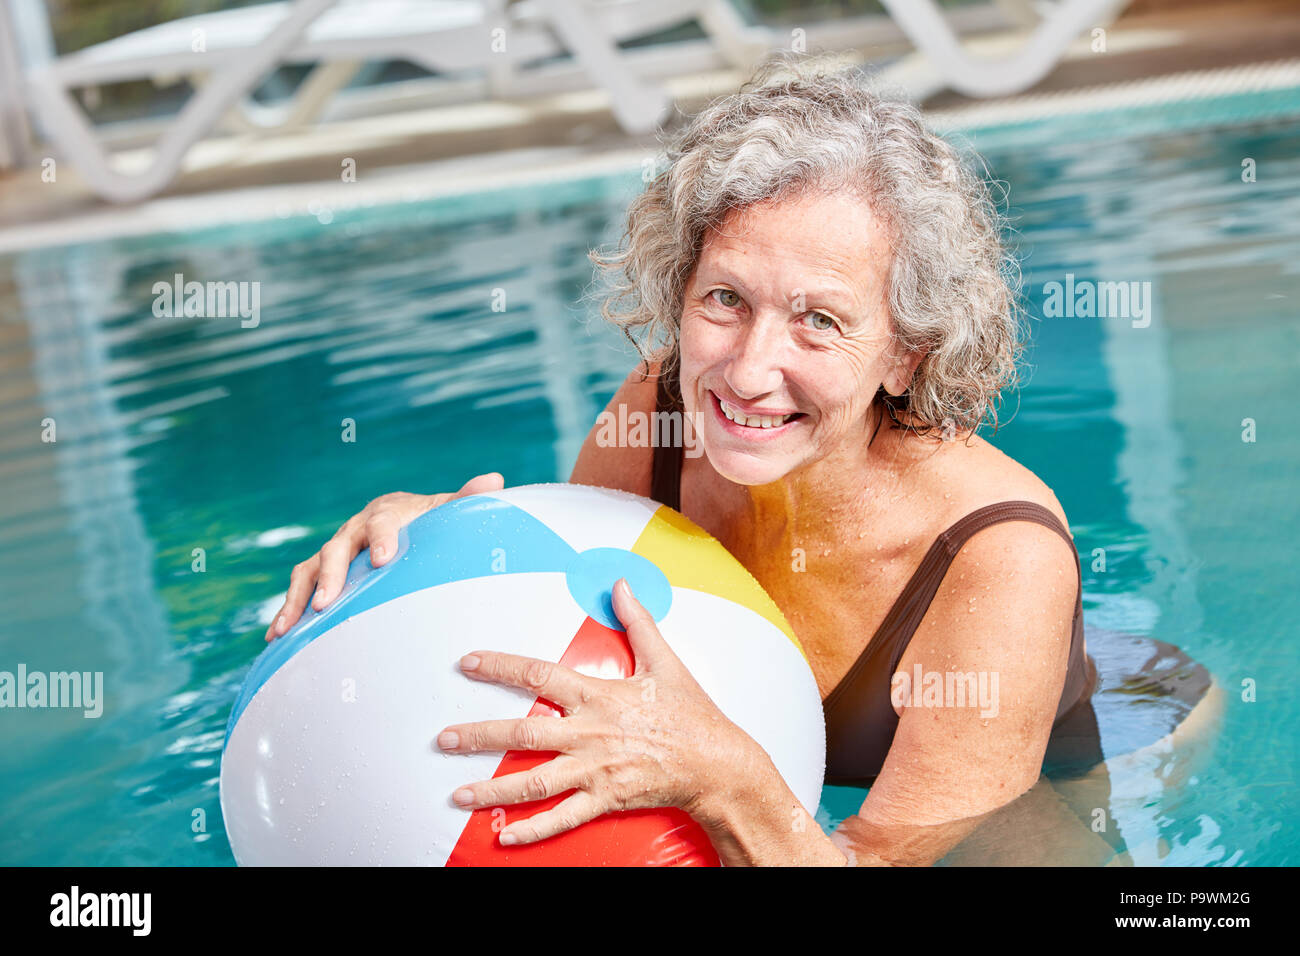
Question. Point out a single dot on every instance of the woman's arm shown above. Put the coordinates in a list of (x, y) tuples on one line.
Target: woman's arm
[(1004, 616)]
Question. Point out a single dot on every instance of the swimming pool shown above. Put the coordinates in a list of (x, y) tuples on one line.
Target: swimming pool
[(197, 460)]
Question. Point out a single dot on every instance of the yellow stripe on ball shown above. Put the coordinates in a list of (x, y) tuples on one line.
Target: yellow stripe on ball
[(692, 558)]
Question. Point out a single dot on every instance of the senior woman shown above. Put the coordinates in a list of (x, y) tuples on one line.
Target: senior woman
[(818, 283)]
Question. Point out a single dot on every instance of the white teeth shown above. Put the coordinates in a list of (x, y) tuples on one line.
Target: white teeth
[(753, 421)]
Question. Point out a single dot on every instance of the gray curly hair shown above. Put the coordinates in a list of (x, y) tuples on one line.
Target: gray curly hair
[(799, 125)]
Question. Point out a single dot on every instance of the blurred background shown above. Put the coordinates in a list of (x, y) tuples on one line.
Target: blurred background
[(412, 189)]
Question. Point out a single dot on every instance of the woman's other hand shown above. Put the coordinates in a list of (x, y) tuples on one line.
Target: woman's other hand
[(322, 575)]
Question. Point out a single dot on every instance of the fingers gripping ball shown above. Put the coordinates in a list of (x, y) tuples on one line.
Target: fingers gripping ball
[(329, 756)]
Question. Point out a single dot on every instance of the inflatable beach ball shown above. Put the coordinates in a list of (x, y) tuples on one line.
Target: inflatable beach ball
[(330, 754)]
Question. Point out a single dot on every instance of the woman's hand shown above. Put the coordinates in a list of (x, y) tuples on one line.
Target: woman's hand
[(376, 527), (655, 739)]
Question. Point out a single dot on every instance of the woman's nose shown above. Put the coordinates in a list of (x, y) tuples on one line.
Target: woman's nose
[(755, 368)]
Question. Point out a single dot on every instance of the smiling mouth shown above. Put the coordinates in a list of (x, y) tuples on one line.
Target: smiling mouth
[(738, 417)]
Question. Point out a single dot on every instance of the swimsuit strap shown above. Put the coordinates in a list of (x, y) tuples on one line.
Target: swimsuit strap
[(666, 466), (860, 718), (904, 617)]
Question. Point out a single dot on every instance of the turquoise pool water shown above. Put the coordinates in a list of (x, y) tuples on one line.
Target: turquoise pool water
[(182, 434)]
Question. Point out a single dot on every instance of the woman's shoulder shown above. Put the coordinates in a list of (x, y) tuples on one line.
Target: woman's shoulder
[(1033, 571), (975, 474), (609, 457)]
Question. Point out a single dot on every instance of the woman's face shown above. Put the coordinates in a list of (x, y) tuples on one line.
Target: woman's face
[(785, 320)]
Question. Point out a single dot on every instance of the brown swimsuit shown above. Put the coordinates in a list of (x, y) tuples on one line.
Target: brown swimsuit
[(860, 718)]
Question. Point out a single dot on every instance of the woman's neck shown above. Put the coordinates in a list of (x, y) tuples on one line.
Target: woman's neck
[(815, 503)]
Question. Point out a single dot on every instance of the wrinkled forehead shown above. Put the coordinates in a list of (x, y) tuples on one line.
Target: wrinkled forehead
[(835, 237)]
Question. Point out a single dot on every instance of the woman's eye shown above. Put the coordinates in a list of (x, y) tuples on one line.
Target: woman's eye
[(820, 321), (720, 295)]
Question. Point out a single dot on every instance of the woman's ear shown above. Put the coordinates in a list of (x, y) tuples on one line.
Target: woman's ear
[(899, 377)]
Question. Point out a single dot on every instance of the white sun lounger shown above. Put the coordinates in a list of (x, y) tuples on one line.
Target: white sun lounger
[(228, 54), (941, 62)]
